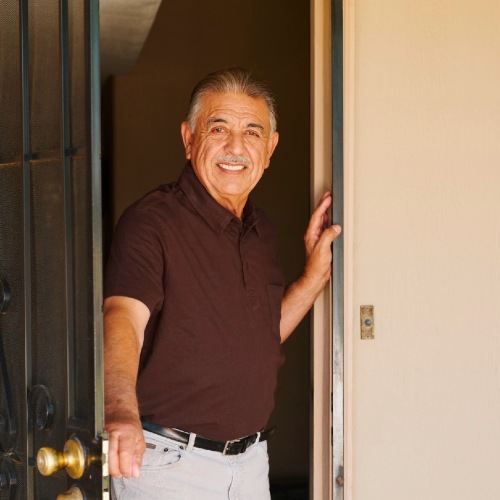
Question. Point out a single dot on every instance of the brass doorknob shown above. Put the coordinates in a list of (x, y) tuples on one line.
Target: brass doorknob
[(74, 493), (73, 458)]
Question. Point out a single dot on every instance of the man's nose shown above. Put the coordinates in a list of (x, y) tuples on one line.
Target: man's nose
[(235, 143)]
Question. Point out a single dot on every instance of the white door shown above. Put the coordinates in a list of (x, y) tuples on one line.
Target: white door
[(422, 235)]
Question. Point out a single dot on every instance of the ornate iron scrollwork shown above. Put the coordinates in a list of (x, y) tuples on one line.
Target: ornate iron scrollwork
[(40, 414), (9, 423), (40, 408), (8, 477), (4, 295), (8, 431)]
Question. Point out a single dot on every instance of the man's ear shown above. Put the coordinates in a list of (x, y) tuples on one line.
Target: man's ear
[(187, 137), (271, 146)]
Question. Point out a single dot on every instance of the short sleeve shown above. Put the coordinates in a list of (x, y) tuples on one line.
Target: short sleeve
[(137, 261)]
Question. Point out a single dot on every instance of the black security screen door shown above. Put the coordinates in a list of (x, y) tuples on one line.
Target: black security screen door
[(50, 252)]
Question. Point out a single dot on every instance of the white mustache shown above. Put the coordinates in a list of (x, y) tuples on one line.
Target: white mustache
[(232, 159)]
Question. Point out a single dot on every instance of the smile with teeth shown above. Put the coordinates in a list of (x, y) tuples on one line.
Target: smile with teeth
[(232, 168)]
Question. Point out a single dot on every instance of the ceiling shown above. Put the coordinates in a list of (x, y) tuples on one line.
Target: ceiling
[(124, 26)]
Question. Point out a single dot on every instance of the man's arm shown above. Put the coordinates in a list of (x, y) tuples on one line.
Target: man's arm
[(124, 322), (301, 294)]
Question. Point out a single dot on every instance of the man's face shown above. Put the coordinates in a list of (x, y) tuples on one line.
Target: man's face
[(230, 147)]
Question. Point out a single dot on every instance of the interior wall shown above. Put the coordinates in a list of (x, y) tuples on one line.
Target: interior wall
[(188, 40)]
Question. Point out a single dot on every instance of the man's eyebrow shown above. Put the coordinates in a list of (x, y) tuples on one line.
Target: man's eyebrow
[(255, 125), (218, 119)]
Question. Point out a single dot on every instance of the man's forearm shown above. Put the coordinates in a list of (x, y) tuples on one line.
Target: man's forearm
[(124, 323), (298, 299), (121, 361)]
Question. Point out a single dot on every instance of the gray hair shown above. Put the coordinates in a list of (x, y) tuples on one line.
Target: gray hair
[(234, 80)]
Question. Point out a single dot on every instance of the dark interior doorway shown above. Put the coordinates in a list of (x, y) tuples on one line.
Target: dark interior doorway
[(142, 148)]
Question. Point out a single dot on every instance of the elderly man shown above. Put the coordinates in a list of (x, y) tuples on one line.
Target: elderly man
[(196, 309)]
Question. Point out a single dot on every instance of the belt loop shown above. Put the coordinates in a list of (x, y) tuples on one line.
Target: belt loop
[(190, 445), (258, 438)]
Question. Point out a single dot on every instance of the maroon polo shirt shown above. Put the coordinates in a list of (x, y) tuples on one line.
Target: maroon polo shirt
[(213, 285)]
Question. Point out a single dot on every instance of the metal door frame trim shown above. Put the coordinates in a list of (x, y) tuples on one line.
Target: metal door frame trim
[(95, 154), (337, 80)]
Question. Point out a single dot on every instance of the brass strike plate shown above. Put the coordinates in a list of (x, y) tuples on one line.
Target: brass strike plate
[(367, 323)]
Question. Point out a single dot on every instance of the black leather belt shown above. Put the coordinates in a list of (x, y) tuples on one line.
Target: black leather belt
[(234, 447)]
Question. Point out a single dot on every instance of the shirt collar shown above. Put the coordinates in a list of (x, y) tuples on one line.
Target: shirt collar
[(216, 216)]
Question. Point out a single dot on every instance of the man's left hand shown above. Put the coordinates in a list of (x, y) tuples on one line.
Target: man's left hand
[(301, 294), (318, 240)]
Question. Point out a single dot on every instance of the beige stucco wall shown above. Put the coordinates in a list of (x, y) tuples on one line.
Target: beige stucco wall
[(423, 240), (189, 39)]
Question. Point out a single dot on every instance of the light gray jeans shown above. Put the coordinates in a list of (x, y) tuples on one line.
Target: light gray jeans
[(173, 471)]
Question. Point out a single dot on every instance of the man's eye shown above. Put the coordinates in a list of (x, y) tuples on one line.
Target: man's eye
[(218, 130), (253, 133)]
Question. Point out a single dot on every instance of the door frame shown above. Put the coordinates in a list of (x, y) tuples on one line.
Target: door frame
[(321, 179), (332, 73)]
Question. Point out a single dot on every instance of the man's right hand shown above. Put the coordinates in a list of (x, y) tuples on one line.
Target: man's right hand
[(126, 447)]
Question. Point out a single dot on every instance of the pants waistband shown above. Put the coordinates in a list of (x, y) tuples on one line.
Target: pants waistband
[(234, 447)]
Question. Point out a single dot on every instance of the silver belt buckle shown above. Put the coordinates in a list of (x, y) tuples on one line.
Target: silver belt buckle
[(228, 443)]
